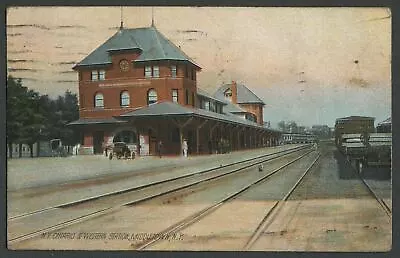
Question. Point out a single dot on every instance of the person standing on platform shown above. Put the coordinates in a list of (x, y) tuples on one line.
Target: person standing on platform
[(160, 146), (185, 148), (209, 147), (138, 146)]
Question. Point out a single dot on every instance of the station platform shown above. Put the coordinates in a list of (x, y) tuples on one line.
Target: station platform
[(54, 181)]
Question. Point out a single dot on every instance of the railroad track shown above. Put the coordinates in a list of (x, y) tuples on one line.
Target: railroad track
[(244, 165), (380, 201), (275, 209), (131, 189), (208, 210)]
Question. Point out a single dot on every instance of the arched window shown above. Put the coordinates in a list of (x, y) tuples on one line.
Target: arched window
[(228, 94), (151, 96), (125, 99), (99, 100)]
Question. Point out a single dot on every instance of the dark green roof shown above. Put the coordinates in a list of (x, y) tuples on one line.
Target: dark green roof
[(167, 108), (87, 121), (207, 95), (244, 95), (355, 118), (149, 41)]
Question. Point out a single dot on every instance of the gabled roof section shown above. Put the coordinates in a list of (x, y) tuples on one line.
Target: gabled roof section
[(356, 118), (244, 94), (152, 44), (88, 121), (159, 109), (207, 95), (167, 108), (386, 122), (233, 108)]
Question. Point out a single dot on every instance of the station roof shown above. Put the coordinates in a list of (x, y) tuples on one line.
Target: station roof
[(356, 118), (233, 108), (88, 121), (209, 96), (386, 122), (244, 94), (167, 108), (152, 45)]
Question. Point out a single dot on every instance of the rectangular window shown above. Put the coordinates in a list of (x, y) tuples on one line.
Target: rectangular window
[(187, 97), (94, 75), (175, 95), (202, 103), (102, 75), (186, 72), (147, 71), (173, 71), (207, 105), (156, 71), (212, 106)]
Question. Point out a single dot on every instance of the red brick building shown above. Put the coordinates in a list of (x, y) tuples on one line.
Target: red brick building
[(138, 87), (247, 103)]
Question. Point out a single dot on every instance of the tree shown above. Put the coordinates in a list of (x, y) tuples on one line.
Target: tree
[(16, 101), (292, 126), (32, 117), (282, 126), (32, 121)]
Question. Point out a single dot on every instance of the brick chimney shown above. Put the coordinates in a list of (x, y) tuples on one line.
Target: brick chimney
[(234, 92)]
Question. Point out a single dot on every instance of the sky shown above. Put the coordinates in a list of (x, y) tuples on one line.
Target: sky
[(309, 65)]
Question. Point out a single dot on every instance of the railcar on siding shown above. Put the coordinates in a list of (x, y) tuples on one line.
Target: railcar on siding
[(292, 138), (356, 138)]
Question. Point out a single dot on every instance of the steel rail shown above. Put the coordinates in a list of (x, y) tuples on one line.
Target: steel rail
[(270, 216), (380, 201), (206, 211), (131, 189), (109, 209)]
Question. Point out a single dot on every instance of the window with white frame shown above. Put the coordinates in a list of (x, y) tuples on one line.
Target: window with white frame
[(156, 71), (125, 101), (212, 106), (173, 71), (175, 95), (99, 100), (151, 96), (98, 75), (228, 94), (102, 75), (95, 75), (147, 71), (207, 105)]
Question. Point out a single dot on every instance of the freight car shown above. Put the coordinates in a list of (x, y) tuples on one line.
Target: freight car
[(353, 125), (364, 148), (291, 138)]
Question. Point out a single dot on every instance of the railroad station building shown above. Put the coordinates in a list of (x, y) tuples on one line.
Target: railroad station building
[(139, 88)]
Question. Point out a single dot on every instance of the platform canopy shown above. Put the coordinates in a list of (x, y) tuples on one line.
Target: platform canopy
[(170, 109), (96, 121)]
